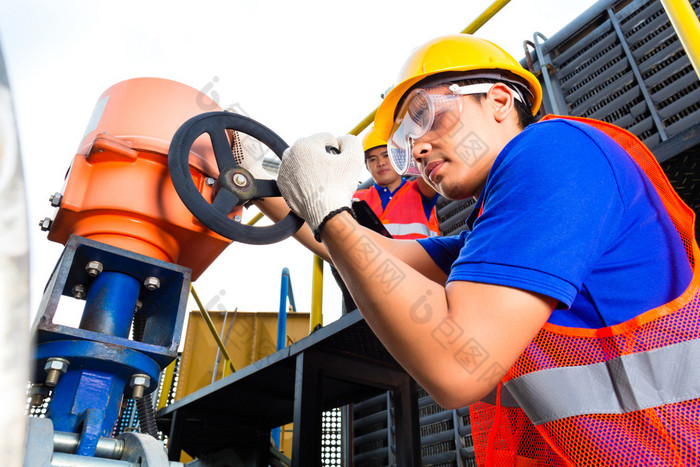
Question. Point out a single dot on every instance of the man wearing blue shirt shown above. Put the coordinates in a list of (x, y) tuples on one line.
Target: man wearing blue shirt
[(573, 288)]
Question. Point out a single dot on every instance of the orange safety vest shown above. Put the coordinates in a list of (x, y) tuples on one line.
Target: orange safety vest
[(404, 216), (623, 395)]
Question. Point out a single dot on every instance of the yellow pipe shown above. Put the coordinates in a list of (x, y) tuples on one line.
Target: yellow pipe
[(210, 324), (364, 123), (687, 26), (316, 294), (256, 218), (471, 29), (165, 386), (489, 13)]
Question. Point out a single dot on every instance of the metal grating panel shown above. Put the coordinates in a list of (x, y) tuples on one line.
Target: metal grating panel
[(452, 215), (625, 66), (445, 434)]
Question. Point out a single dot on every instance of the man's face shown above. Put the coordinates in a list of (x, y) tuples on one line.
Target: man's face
[(377, 161), (457, 163)]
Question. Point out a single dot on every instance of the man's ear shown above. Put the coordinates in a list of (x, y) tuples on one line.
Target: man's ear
[(502, 99)]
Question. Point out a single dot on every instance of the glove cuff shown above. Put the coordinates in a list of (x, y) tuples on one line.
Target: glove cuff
[(317, 230)]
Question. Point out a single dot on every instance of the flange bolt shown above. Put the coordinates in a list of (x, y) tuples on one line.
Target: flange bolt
[(45, 224), (56, 199), (78, 291), (139, 383), (37, 394), (55, 367), (151, 283), (93, 268)]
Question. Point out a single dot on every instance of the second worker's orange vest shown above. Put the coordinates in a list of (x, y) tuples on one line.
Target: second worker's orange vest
[(404, 216)]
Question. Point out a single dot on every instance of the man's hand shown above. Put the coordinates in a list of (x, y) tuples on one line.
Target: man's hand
[(317, 184)]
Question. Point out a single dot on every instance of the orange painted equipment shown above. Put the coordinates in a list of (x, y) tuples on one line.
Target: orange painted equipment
[(118, 190)]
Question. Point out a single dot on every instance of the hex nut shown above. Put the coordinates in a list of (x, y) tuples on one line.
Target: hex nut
[(209, 181), (55, 367), (79, 291), (140, 383), (151, 283), (56, 199), (37, 394), (59, 364), (45, 224), (140, 380), (93, 268)]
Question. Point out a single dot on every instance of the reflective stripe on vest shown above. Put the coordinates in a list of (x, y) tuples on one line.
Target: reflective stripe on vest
[(631, 382), (397, 230)]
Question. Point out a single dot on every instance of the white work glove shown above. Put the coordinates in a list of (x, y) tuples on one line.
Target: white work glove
[(317, 184), (249, 153)]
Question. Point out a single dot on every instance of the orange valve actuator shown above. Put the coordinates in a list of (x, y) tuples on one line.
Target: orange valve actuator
[(118, 190)]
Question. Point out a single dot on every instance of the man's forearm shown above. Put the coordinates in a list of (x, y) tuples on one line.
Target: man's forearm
[(392, 296), (456, 340)]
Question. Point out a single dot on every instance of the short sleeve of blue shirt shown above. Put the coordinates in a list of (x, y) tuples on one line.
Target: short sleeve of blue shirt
[(555, 221)]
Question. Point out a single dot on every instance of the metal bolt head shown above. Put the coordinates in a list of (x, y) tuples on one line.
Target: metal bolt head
[(151, 283), (45, 224), (55, 367), (37, 394), (93, 268), (56, 199), (139, 382), (79, 292), (237, 218), (59, 364), (140, 379), (209, 181), (240, 180)]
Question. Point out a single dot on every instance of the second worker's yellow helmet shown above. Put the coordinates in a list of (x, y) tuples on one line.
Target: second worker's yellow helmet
[(456, 52), (372, 140)]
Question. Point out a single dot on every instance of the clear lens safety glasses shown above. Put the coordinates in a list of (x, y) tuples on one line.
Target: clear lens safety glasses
[(427, 114)]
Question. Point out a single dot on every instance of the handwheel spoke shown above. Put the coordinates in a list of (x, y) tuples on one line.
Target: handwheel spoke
[(222, 149), (225, 201), (266, 189)]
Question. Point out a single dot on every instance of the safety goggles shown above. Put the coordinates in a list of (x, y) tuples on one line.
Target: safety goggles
[(427, 114)]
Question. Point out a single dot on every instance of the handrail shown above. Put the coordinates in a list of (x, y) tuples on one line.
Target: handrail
[(285, 292), (316, 295), (687, 26)]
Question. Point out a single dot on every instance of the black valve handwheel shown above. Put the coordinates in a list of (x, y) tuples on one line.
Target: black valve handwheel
[(236, 185)]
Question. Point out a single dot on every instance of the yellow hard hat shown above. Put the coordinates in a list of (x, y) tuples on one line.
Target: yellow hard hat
[(372, 140), (456, 52)]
